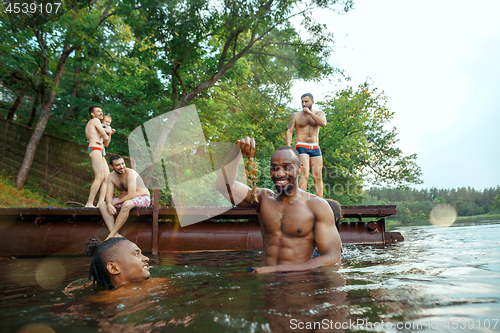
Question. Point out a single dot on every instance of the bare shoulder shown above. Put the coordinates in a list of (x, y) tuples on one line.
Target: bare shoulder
[(319, 206), (112, 177), (94, 122), (132, 173), (265, 195)]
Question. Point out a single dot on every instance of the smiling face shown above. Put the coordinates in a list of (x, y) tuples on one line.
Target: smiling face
[(97, 113), (118, 166), (130, 263), (285, 169), (106, 120)]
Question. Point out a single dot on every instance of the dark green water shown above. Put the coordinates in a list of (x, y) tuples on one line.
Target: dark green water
[(437, 280)]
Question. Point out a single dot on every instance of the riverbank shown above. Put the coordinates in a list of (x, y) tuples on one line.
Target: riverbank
[(29, 196)]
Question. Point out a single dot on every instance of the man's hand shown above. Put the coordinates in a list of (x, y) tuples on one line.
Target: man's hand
[(306, 110), (247, 146), (111, 209)]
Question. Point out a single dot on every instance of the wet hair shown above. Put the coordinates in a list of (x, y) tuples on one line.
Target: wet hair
[(307, 95), (102, 253), (92, 107), (293, 150), (113, 158), (337, 211)]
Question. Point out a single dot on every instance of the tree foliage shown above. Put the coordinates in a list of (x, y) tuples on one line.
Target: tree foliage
[(236, 61), (415, 204), (358, 148)]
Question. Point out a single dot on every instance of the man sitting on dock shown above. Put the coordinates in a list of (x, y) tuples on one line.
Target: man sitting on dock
[(292, 222), (134, 194)]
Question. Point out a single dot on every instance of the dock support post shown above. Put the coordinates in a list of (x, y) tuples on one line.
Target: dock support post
[(156, 212)]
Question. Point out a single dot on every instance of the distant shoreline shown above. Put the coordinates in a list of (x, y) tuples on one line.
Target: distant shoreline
[(391, 224)]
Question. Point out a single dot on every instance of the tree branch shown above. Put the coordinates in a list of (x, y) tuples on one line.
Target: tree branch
[(105, 14), (238, 99)]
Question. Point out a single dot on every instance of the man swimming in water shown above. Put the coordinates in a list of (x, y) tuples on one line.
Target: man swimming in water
[(98, 139), (292, 222), (308, 123), (117, 261)]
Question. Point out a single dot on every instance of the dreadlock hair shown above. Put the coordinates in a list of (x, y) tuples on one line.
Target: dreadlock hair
[(101, 252)]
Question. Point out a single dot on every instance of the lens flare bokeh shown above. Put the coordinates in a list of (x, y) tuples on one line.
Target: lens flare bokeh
[(443, 215)]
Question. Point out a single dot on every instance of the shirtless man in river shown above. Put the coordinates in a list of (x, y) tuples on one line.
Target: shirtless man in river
[(292, 222), (307, 123), (98, 139), (134, 194)]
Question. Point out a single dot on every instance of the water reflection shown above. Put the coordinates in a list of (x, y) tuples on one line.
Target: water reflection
[(435, 275), (309, 301)]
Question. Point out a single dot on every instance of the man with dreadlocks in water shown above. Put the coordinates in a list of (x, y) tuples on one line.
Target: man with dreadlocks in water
[(117, 261)]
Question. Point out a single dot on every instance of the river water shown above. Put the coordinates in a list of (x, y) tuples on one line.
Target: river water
[(437, 280)]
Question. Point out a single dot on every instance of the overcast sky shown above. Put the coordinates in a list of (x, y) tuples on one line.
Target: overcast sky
[(439, 64)]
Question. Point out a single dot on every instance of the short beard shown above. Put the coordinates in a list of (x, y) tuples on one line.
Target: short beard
[(284, 189)]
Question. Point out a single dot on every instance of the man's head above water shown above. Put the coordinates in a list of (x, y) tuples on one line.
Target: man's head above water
[(118, 261), (285, 169)]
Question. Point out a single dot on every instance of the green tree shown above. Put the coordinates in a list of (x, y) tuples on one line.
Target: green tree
[(47, 47), (358, 148)]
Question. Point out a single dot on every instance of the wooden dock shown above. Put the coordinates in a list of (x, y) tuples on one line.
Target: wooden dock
[(26, 232)]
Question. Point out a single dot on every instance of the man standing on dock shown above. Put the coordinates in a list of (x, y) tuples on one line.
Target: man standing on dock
[(134, 194), (292, 222), (307, 123), (98, 139)]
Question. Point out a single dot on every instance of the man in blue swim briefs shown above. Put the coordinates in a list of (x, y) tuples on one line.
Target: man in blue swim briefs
[(307, 123)]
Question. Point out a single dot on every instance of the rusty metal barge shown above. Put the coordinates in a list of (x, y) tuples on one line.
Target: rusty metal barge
[(30, 232)]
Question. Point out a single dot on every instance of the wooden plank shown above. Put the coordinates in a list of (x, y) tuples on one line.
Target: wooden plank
[(170, 212)]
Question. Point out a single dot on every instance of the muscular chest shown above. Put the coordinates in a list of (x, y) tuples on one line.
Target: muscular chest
[(291, 219), (305, 120)]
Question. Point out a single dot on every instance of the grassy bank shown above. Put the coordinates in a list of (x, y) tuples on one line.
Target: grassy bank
[(477, 218), (30, 196)]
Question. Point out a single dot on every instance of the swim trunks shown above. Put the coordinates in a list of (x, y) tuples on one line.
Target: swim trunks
[(90, 149), (311, 149), (140, 201)]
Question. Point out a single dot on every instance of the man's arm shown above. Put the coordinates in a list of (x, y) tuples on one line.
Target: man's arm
[(132, 186), (98, 126), (110, 188), (327, 241), (236, 192), (289, 131), (318, 117)]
